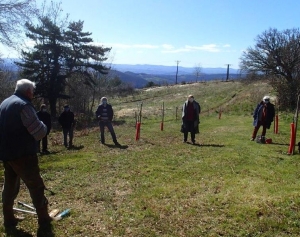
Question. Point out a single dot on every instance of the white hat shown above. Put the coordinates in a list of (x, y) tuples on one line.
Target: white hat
[(266, 98)]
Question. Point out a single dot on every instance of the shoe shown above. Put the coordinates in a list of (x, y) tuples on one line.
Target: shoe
[(184, 141), (13, 222), (193, 142), (117, 144), (45, 222), (252, 139)]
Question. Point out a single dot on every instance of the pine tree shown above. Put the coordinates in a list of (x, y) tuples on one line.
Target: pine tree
[(59, 54)]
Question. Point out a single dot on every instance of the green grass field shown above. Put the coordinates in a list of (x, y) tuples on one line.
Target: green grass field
[(226, 185)]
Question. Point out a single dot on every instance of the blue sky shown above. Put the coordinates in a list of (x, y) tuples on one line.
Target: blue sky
[(210, 33)]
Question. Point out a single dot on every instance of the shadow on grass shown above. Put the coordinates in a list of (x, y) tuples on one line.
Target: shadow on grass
[(116, 146), (279, 144), (210, 145), (119, 122), (14, 232), (49, 153), (76, 147)]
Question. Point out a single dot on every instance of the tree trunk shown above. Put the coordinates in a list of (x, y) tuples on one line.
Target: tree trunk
[(52, 103)]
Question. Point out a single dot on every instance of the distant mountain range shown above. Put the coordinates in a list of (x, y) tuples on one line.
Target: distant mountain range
[(161, 70), (140, 75)]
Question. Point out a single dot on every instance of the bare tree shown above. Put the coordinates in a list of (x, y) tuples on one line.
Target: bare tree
[(13, 15), (276, 54), (197, 71)]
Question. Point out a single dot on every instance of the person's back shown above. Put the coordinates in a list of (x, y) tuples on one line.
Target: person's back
[(45, 117), (15, 138), (66, 119)]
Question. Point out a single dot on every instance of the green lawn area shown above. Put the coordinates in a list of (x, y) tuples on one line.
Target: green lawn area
[(226, 185)]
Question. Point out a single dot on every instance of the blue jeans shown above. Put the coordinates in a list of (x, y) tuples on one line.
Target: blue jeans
[(107, 124)]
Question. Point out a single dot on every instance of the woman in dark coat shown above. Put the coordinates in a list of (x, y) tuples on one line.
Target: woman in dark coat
[(190, 118), (263, 116)]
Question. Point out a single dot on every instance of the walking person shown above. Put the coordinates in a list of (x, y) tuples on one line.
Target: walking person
[(45, 117), (67, 122), (190, 118), (20, 129), (263, 116), (105, 115)]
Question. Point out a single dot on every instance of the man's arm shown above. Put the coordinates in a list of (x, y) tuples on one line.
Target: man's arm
[(34, 126), (112, 114)]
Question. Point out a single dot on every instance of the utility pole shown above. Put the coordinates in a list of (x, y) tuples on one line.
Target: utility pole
[(227, 77), (177, 70)]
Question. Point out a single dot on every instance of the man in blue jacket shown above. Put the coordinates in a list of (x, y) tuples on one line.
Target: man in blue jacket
[(20, 129), (263, 115), (105, 114)]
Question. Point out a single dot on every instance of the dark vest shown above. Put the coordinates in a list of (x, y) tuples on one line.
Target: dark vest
[(15, 140)]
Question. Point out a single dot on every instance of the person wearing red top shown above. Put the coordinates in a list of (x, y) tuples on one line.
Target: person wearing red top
[(190, 118)]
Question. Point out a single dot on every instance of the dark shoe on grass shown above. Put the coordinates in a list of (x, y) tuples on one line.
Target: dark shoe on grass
[(13, 222)]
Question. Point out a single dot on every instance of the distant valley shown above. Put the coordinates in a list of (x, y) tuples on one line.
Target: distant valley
[(140, 75)]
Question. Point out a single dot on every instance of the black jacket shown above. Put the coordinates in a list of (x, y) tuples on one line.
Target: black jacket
[(45, 117), (66, 119), (106, 112)]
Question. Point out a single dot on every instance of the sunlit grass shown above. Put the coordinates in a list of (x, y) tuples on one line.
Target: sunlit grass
[(158, 186)]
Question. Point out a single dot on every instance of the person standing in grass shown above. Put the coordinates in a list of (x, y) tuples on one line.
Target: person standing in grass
[(20, 129), (190, 118), (105, 115), (263, 116), (45, 117), (67, 122)]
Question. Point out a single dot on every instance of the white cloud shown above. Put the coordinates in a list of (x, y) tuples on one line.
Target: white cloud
[(188, 48), (127, 46), (180, 50), (168, 46)]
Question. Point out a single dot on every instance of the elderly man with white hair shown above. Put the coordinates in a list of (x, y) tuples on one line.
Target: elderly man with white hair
[(20, 128), (263, 115)]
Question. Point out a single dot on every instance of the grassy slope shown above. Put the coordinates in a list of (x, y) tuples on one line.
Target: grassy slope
[(158, 186)]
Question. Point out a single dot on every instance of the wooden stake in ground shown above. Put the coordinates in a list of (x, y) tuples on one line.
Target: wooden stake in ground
[(162, 117), (296, 123), (138, 124)]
